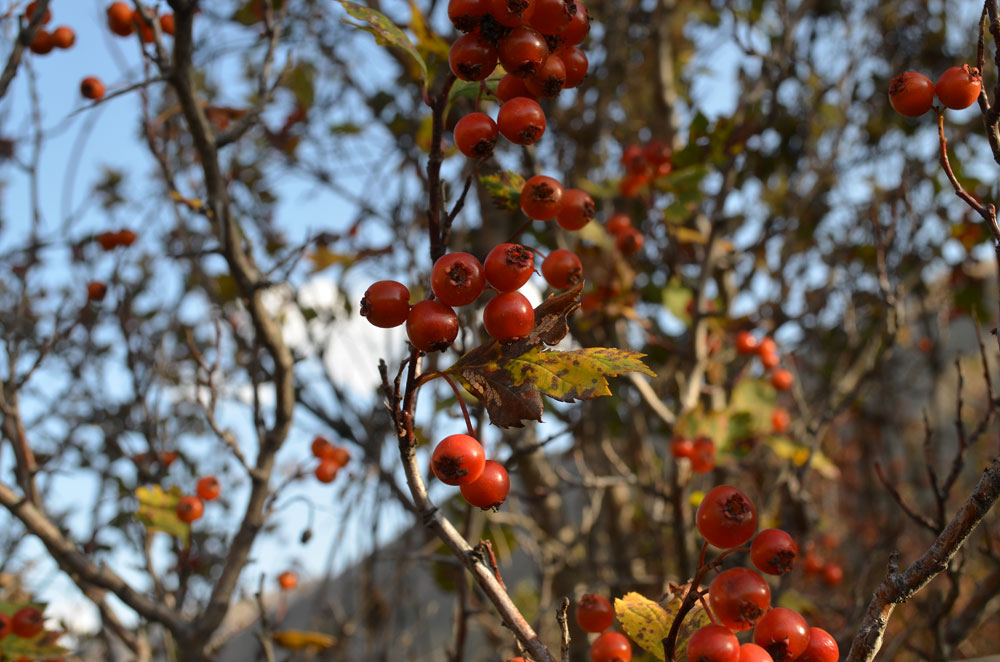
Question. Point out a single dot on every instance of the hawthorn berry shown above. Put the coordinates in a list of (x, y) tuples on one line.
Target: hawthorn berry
[(167, 24), (782, 380), (29, 11), (780, 419), (208, 488), (773, 551), (681, 447), (125, 237), (821, 647), (466, 15), (726, 517), (562, 269), (327, 469), (832, 574), (521, 121), (189, 508), (629, 242), (522, 52), (713, 643), (63, 37), (958, 87), (42, 43), (911, 94), (594, 613), (656, 153), (738, 598), (812, 564), (476, 135), (321, 448), (288, 580), (386, 303), (541, 198), (611, 647), (576, 63), (145, 29), (511, 13), (339, 455), (457, 279), (579, 26), (550, 78), (633, 159), (27, 622), (472, 58), (552, 16), (508, 316), (120, 19), (92, 88), (577, 210), (783, 633), (490, 490), (509, 266), (618, 223), (753, 653), (96, 290), (703, 455), (745, 343), (458, 460), (5, 625), (432, 326), (511, 87)]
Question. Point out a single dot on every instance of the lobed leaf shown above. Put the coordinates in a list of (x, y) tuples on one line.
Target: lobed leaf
[(579, 374)]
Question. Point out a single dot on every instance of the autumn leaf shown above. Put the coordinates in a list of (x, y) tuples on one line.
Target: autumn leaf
[(157, 510), (574, 375), (323, 258), (41, 646), (504, 188), (648, 623), (385, 32), (300, 639)]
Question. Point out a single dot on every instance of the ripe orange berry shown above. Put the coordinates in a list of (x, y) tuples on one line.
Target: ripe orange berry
[(288, 580), (190, 508), (209, 488), (63, 37), (93, 88), (746, 343), (782, 380), (832, 574), (27, 622), (959, 87), (780, 419), (340, 455), (30, 9), (42, 43), (167, 24), (125, 237), (120, 19), (96, 290), (327, 470), (911, 94), (145, 29), (321, 448)]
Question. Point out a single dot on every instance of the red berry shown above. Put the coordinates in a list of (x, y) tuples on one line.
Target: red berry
[(634, 160), (562, 269), (6, 627), (821, 647), (958, 87), (509, 266), (386, 303), (522, 52), (339, 455), (29, 11), (541, 198), (726, 517), (782, 380), (288, 580), (125, 237), (92, 88), (832, 574), (773, 551), (746, 343), (511, 87), (208, 488), (576, 63), (713, 643), (783, 633), (120, 19), (703, 455), (611, 647), (579, 26), (656, 153), (521, 121), (472, 58), (458, 460), (432, 326), (96, 290), (681, 447), (63, 37), (476, 135), (466, 15), (321, 448), (738, 598), (27, 622), (812, 563), (42, 43), (551, 16), (550, 78), (327, 469), (457, 279), (490, 490), (911, 94), (167, 24), (629, 242), (577, 210), (511, 13), (780, 420), (769, 360), (617, 224), (594, 613), (190, 508), (754, 653), (508, 316)]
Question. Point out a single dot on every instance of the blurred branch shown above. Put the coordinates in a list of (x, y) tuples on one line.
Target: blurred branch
[(24, 38)]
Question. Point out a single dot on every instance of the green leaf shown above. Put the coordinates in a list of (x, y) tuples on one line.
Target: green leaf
[(385, 32), (157, 510), (574, 375), (676, 298), (504, 188)]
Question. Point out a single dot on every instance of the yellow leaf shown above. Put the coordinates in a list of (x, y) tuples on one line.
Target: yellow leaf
[(195, 204), (299, 639), (323, 258), (158, 511), (574, 375), (689, 236), (798, 455), (648, 623)]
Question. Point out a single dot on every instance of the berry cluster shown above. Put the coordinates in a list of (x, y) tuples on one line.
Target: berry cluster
[(643, 164), (628, 239), (331, 459), (740, 599), (112, 240), (461, 460), (912, 93), (62, 37), (594, 613), (767, 351), (192, 506), (701, 452)]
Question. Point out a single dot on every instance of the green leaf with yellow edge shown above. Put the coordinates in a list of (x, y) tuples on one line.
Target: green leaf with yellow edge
[(385, 32), (579, 374), (798, 455), (504, 188), (648, 623), (303, 639), (158, 511)]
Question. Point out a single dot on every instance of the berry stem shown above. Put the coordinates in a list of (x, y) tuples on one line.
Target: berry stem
[(692, 596), (434, 374), (437, 227)]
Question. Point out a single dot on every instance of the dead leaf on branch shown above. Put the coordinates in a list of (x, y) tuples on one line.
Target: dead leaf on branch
[(647, 622)]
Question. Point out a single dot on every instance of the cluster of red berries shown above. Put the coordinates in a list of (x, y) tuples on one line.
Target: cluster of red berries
[(192, 507), (643, 164), (912, 93), (628, 239), (112, 240), (536, 42), (458, 279), (829, 572), (44, 41), (740, 599), (461, 460), (767, 351), (331, 459), (26, 623), (594, 613), (700, 451)]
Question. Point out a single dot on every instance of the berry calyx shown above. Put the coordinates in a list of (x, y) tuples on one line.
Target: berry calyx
[(92, 88), (738, 598), (821, 647), (577, 210), (773, 551), (726, 517), (783, 633), (288, 580), (522, 52), (508, 316), (190, 508), (511, 13), (594, 613), (490, 490), (562, 269), (27, 622), (386, 303), (911, 94), (457, 279), (432, 326), (611, 647), (476, 135), (579, 26), (509, 266), (521, 121), (541, 197), (458, 460), (208, 488), (550, 78), (713, 643), (466, 15), (958, 87)]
